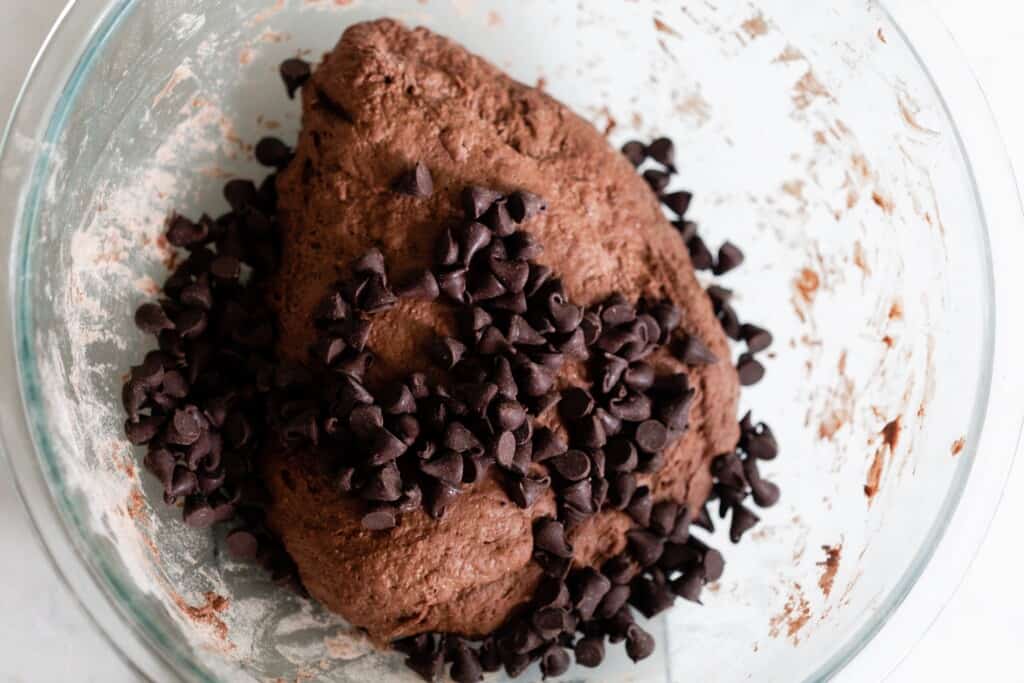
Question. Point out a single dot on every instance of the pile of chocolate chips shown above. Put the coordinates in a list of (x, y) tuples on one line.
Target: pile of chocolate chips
[(198, 402), (662, 152), (214, 395), (409, 443)]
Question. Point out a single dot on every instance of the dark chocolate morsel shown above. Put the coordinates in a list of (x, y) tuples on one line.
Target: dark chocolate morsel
[(635, 151), (416, 182), (729, 257), (294, 73), (749, 369)]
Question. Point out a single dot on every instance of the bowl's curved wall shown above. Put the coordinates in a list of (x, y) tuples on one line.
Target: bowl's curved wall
[(810, 135)]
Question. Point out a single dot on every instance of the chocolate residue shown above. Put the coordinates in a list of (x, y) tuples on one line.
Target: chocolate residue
[(890, 439), (891, 434), (662, 27), (874, 482), (207, 613), (136, 504), (860, 259), (909, 116), (888, 341), (883, 202), (840, 403), (789, 54), (807, 284), (958, 446), (896, 311), (881, 36), (755, 26), (795, 615), (831, 564), (808, 89)]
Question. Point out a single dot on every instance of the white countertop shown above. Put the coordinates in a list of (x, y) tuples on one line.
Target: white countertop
[(44, 636)]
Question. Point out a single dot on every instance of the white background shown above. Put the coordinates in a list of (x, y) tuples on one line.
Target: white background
[(44, 636)]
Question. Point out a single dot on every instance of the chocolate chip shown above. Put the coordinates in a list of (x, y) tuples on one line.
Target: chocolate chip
[(640, 506), (693, 351), (728, 469), (524, 491), (677, 202), (663, 517), (459, 439), (700, 255), (438, 496), (383, 485), (332, 308), (550, 622), (589, 432), (520, 332), (576, 403), (554, 661), (365, 420), (635, 151), (465, 666), (415, 182), (384, 447), (498, 219), (477, 395), (610, 371), (749, 369), (757, 338), (491, 341), (523, 246), (502, 377), (533, 379), (551, 592), (539, 275), (658, 180), (473, 237), (573, 465), (242, 545), (271, 151), (760, 442), (523, 205), (446, 250), (513, 275), (645, 546), (621, 569), (411, 499), (294, 73), (447, 467), (513, 302), (181, 232), (689, 585), (729, 320), (729, 257), (422, 286), (476, 200), (573, 345), (743, 520), (639, 643), (490, 659), (651, 436), (453, 284), (590, 588), (197, 513), (622, 488), (379, 519), (651, 595), (590, 651), (639, 376), (663, 151), (620, 455), (766, 493), (508, 415), (687, 230), (633, 407), (447, 352), (547, 444), (549, 536), (151, 318), (327, 350), (713, 564)]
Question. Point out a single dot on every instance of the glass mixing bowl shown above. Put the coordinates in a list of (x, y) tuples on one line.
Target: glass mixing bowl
[(842, 144)]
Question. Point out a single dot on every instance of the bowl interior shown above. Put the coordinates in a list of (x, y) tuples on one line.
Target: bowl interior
[(810, 135)]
